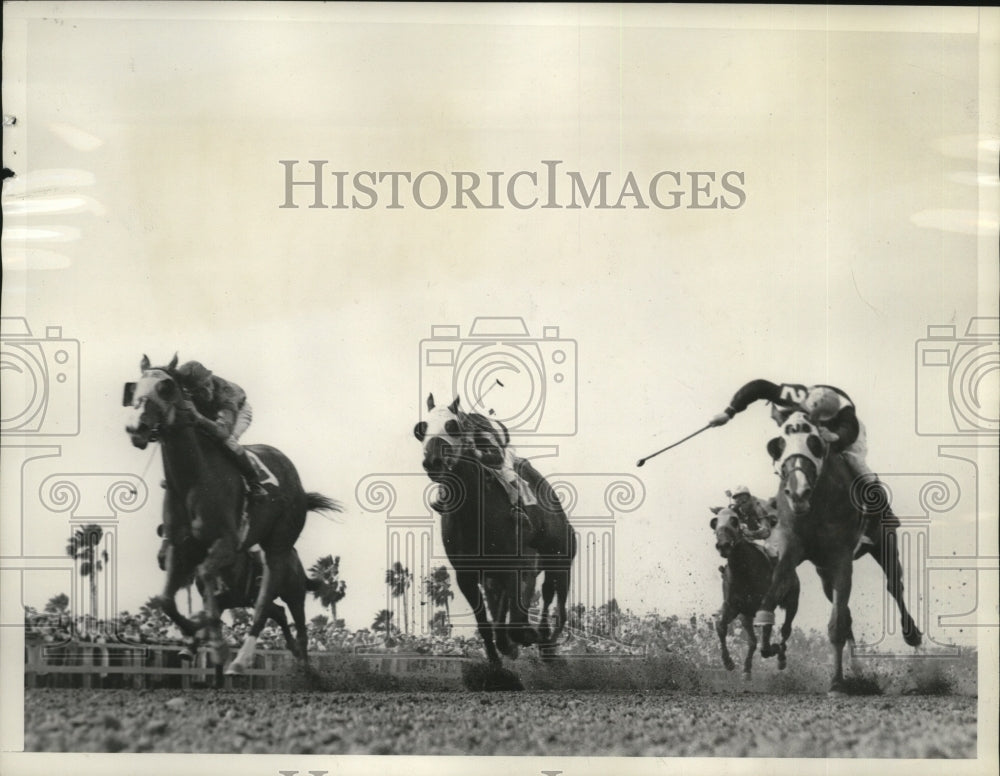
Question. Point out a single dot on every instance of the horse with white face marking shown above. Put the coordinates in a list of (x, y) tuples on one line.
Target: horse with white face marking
[(202, 508), (820, 520), (481, 537)]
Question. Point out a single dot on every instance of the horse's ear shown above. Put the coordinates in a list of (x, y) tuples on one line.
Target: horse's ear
[(144, 364), (430, 402), (715, 510), (128, 394), (815, 445), (776, 447), (420, 430), (453, 407), (713, 522), (159, 530), (173, 364), (506, 433)]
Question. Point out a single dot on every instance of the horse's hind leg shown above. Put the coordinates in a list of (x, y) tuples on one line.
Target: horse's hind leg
[(548, 593), (273, 570), (297, 606), (562, 596), (886, 554), (276, 612)]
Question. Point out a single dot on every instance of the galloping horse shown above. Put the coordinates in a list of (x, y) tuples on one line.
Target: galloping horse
[(820, 519), (205, 498), (746, 577), (243, 579), (481, 538)]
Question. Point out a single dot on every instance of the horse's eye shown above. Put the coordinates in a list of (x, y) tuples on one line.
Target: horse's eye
[(452, 427), (166, 389)]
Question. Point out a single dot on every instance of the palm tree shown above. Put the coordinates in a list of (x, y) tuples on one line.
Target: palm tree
[(437, 587), (332, 588), (440, 625), (82, 547), (57, 604), (383, 622), (398, 578)]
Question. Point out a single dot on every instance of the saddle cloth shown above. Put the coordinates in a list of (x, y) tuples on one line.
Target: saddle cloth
[(266, 478), (258, 464), (518, 490)]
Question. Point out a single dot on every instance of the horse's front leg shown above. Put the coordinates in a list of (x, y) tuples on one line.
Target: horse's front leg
[(791, 606), (747, 621), (722, 631), (468, 583), (220, 555), (781, 581), (839, 627), (524, 591), (175, 579)]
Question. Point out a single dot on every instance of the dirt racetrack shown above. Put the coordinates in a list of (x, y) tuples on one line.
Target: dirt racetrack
[(553, 722)]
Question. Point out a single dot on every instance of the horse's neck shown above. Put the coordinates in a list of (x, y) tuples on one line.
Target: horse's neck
[(834, 480), (479, 486), (183, 456), (744, 554)]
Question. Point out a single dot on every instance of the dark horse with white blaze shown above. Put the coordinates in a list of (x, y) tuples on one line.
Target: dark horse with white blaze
[(821, 519), (243, 578), (202, 508), (746, 577), (482, 537)]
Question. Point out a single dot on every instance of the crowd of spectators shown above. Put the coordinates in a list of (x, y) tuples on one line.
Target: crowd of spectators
[(604, 630)]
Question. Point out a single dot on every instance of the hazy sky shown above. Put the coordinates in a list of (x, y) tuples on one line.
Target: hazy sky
[(144, 218)]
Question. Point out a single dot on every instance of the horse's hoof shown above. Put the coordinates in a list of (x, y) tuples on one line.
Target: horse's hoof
[(747, 677), (527, 636), (913, 637), (235, 669), (837, 689), (728, 663), (782, 662)]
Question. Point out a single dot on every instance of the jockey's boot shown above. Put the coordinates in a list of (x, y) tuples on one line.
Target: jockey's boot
[(257, 492)]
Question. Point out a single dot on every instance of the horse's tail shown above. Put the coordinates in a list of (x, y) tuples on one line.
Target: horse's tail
[(317, 502)]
